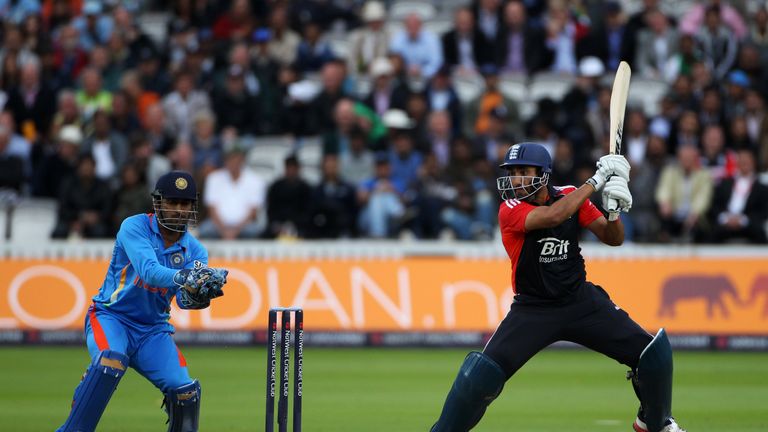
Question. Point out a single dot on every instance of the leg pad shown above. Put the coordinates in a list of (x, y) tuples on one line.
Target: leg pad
[(183, 407), (478, 383), (94, 391)]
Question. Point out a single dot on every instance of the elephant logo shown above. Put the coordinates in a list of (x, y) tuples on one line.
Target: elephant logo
[(711, 289), (760, 288)]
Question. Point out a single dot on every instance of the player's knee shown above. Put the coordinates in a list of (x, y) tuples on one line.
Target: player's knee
[(171, 384), (480, 378), (114, 360)]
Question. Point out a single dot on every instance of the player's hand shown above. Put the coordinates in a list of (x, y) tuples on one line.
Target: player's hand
[(616, 195), (212, 287), (613, 165), (205, 282)]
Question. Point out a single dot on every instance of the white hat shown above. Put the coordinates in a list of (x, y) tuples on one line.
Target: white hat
[(374, 11), (591, 67), (303, 91), (71, 134), (397, 119), (381, 66)]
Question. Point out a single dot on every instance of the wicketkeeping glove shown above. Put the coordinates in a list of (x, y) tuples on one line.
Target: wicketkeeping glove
[(203, 282)]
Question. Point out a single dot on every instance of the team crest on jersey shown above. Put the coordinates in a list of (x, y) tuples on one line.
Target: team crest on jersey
[(181, 183), (177, 259)]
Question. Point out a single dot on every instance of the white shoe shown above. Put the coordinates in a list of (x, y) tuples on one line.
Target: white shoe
[(639, 426), (673, 427)]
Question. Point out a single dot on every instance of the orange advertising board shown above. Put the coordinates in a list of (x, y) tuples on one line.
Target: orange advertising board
[(685, 295)]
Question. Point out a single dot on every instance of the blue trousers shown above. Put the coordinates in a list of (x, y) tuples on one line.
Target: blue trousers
[(152, 353)]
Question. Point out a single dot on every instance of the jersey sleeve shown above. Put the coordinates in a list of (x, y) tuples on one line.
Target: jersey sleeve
[(512, 214), (134, 240), (588, 213)]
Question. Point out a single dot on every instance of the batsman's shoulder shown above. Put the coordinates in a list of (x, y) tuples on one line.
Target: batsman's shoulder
[(565, 190)]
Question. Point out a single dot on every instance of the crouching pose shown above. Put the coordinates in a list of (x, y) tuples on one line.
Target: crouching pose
[(154, 259), (553, 300)]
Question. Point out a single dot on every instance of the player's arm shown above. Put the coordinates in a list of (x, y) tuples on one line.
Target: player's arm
[(557, 213), (610, 233)]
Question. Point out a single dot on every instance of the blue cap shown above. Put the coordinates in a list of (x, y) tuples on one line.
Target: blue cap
[(738, 78), (261, 35), (176, 185), (489, 69)]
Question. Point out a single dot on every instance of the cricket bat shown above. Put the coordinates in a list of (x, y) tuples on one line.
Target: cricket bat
[(618, 106)]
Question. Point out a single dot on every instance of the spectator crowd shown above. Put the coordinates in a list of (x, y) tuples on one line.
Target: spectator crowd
[(98, 99)]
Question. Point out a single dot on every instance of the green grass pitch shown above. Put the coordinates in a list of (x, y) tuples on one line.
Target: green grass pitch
[(394, 390)]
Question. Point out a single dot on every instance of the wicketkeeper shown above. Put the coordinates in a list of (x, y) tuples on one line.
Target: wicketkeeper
[(553, 301), (154, 259)]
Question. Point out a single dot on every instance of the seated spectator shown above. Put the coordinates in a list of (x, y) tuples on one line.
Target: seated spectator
[(487, 144), (520, 45), (334, 204), (85, 204), (463, 49), (150, 165), (380, 200), (656, 46), (284, 42), (333, 76), (132, 197), (209, 149), (439, 137), (313, 50), (233, 197), (711, 108), (92, 97), (349, 115), (183, 104), (645, 178), (157, 132), (404, 160), (432, 194), (357, 163), (562, 31), (11, 165), (234, 106), (370, 41), (32, 102), (420, 48), (287, 200), (740, 205), (718, 160), (718, 44), (387, 92), (57, 166), (18, 145), (67, 112), (108, 148), (684, 195), (697, 13), (477, 112), (441, 96), (124, 118), (681, 62)]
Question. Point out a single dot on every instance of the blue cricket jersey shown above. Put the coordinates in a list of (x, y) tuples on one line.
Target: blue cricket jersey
[(139, 284)]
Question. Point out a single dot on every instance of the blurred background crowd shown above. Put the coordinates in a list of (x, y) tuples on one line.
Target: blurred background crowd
[(346, 119)]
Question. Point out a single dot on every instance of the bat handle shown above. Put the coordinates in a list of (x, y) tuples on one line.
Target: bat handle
[(613, 209)]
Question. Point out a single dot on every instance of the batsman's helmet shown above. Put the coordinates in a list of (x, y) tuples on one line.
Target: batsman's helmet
[(175, 185), (525, 154)]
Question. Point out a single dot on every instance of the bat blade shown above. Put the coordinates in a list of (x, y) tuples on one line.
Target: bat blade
[(619, 96)]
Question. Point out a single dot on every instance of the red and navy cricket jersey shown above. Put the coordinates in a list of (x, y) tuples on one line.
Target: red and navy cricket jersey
[(547, 266)]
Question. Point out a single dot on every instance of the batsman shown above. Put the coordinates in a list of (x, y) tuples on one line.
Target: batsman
[(553, 301), (154, 260)]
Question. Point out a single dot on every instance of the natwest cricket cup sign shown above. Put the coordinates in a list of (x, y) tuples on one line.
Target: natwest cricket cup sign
[(685, 295)]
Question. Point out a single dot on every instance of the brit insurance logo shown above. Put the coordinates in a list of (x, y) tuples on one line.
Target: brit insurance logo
[(553, 249)]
